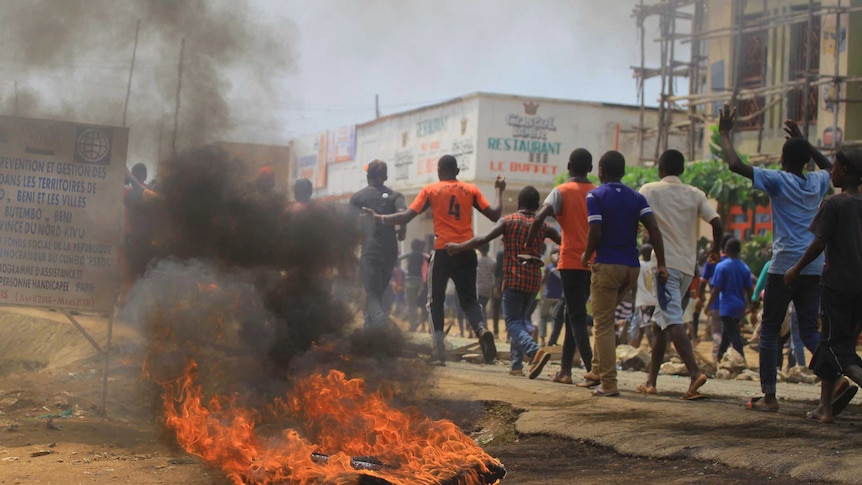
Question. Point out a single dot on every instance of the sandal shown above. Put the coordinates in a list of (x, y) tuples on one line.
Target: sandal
[(588, 383), (840, 402)]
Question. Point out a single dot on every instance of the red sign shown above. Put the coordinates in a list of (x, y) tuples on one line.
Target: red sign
[(523, 167)]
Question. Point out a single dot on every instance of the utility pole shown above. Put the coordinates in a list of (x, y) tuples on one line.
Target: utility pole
[(179, 89), (376, 106), (131, 70)]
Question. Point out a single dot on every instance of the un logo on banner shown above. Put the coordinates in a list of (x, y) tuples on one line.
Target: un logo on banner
[(93, 145)]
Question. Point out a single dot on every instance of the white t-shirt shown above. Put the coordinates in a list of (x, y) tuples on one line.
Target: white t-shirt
[(677, 208), (646, 293)]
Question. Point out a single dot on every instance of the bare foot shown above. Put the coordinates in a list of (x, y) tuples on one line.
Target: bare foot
[(820, 414), (696, 383), (646, 389), (761, 404)]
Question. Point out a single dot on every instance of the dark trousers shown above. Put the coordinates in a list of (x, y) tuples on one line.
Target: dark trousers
[(558, 315), (842, 315), (496, 308), (805, 295), (576, 290), (730, 335), (461, 269), (376, 274)]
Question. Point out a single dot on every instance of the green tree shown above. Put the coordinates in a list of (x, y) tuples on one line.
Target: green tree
[(712, 176), (755, 252)]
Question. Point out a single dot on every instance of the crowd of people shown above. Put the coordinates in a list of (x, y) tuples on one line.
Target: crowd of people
[(630, 257)]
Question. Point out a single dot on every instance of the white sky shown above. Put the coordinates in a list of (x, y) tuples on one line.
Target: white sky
[(340, 54), (414, 52)]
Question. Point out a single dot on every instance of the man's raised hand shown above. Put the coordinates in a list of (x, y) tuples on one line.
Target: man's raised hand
[(792, 129), (726, 119), (500, 183)]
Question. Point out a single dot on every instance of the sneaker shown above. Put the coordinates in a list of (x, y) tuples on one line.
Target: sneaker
[(489, 348), (539, 360), (516, 372)]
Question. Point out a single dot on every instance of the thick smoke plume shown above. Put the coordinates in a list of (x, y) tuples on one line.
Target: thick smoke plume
[(256, 290), (84, 47)]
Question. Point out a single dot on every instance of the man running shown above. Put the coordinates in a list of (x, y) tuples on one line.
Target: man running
[(451, 202), (522, 276)]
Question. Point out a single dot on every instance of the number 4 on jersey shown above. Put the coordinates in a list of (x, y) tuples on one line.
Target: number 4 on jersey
[(454, 208)]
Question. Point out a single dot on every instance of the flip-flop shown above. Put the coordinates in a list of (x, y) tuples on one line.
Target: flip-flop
[(541, 359), (840, 387), (646, 389), (692, 397), (601, 393), (840, 402), (588, 383), (812, 415), (753, 406)]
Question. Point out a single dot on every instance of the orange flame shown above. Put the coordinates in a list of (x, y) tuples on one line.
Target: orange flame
[(341, 417)]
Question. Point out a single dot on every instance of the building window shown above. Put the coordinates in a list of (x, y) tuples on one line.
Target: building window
[(802, 44), (751, 67), (739, 219), (761, 218)]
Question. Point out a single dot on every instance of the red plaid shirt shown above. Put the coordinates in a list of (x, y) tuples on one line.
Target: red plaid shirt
[(516, 276)]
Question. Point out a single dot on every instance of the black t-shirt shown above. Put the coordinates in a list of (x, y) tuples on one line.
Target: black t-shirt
[(379, 240), (839, 223), (415, 261)]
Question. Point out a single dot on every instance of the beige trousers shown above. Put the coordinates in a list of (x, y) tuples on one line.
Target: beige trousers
[(609, 284)]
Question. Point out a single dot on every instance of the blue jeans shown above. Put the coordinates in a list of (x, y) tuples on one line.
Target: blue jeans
[(516, 312), (797, 348), (805, 295)]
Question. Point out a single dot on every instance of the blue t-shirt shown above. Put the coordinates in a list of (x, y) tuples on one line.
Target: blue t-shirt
[(794, 204), (732, 277), (708, 271), (618, 209)]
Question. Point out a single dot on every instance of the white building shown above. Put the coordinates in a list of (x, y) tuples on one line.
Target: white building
[(526, 139)]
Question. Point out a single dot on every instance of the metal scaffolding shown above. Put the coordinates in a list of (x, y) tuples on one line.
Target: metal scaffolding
[(683, 22)]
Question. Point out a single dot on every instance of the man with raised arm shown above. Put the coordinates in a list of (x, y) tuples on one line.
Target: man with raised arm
[(451, 202), (795, 196)]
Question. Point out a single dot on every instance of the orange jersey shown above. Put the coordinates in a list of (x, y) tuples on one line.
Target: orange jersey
[(569, 201), (451, 203)]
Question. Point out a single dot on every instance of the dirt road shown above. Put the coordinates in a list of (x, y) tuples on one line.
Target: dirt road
[(544, 430)]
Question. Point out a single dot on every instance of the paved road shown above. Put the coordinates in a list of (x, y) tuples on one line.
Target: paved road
[(716, 429)]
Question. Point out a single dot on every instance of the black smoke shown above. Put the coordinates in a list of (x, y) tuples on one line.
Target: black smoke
[(256, 289)]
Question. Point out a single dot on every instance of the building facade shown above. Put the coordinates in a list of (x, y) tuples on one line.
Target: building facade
[(526, 139), (785, 59)]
